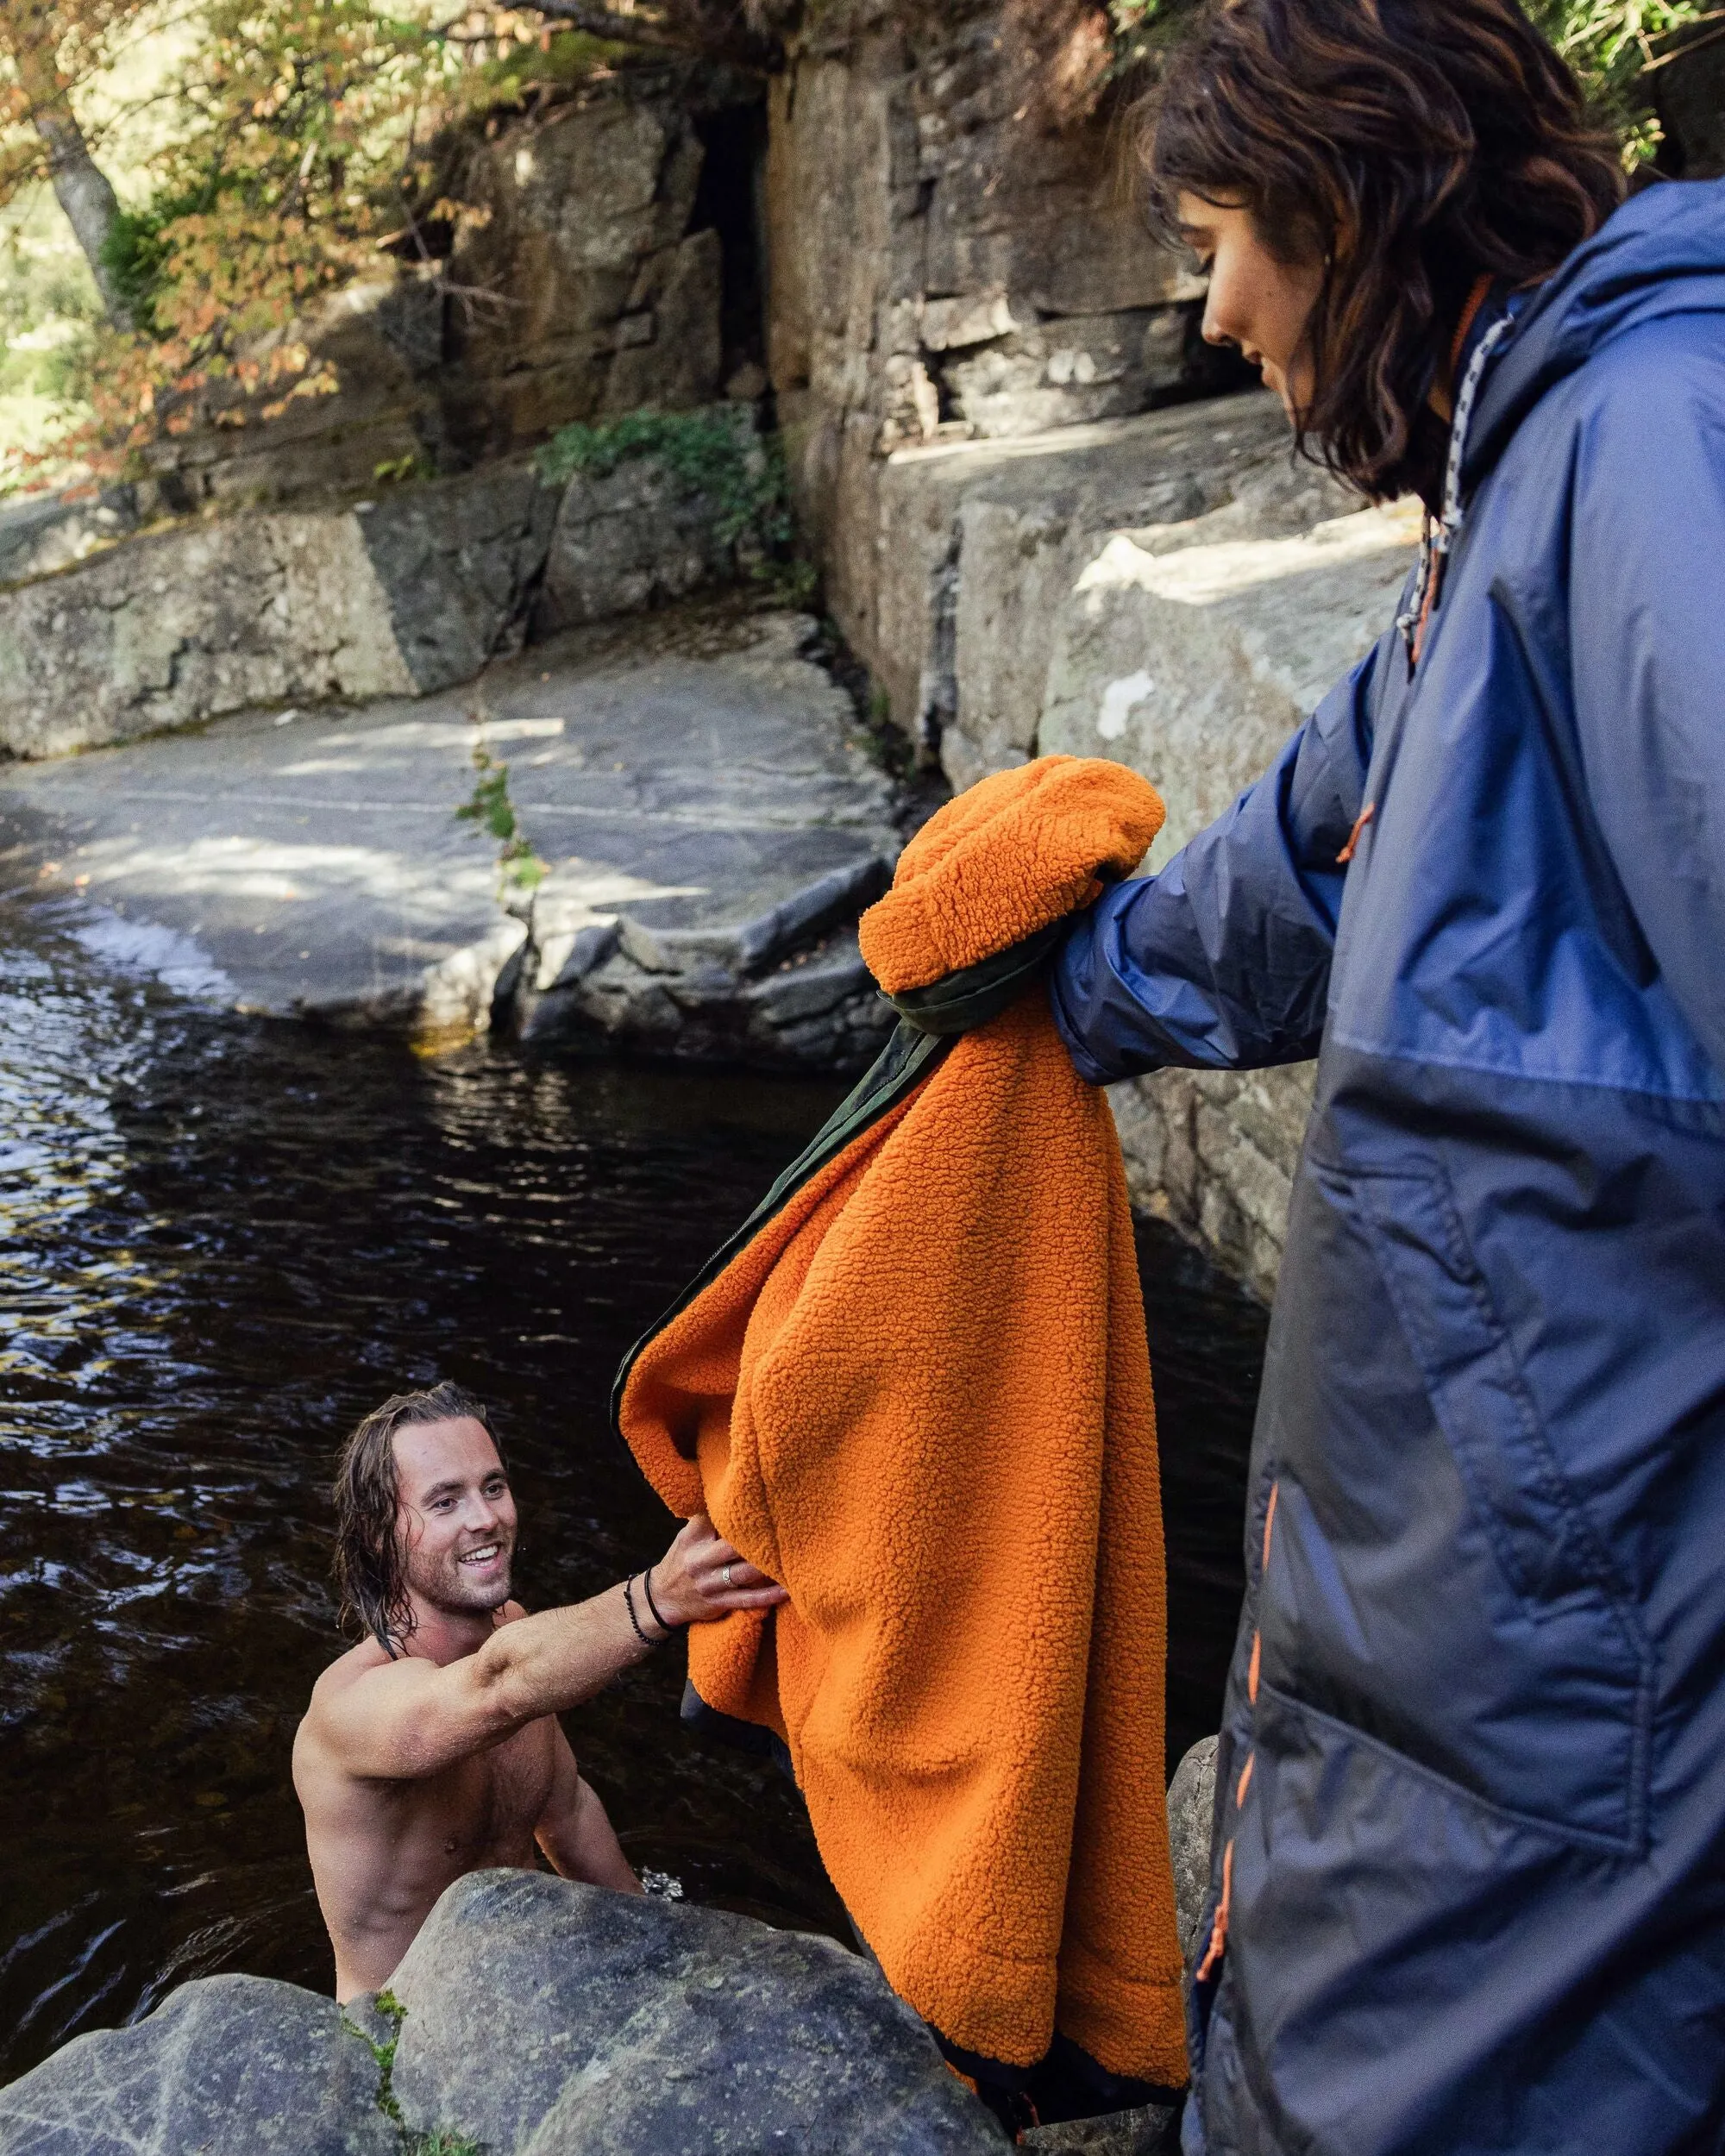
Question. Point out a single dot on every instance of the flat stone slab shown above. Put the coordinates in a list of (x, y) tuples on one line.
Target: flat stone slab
[(700, 789)]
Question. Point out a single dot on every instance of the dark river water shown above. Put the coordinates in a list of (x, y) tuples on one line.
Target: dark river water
[(221, 1240)]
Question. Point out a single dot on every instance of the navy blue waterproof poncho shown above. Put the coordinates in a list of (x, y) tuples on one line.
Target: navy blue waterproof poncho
[(1472, 1786)]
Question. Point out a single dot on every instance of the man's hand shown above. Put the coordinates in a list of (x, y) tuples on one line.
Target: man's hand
[(700, 1578), (411, 1717)]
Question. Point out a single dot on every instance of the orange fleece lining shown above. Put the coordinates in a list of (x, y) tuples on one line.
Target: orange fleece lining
[(921, 1397)]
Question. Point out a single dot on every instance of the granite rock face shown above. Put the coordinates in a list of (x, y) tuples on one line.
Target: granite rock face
[(982, 542), (227, 2064), (637, 537), (182, 625), (611, 283), (591, 284), (542, 2019), (953, 257), (406, 593), (411, 591), (1191, 651), (458, 561)]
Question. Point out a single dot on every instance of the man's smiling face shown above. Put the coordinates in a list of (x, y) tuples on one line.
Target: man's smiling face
[(455, 1516)]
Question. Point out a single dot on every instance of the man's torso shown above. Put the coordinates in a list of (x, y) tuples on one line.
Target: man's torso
[(382, 1851)]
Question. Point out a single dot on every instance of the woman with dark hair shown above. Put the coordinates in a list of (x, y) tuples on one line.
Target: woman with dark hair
[(1469, 1886)]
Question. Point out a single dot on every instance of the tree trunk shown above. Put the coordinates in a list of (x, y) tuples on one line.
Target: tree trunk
[(80, 185), (82, 190)]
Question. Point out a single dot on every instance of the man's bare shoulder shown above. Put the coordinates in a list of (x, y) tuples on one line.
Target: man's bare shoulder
[(371, 1660), (347, 1670)]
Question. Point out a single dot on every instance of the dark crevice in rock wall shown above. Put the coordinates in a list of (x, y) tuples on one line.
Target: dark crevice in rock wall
[(728, 201)]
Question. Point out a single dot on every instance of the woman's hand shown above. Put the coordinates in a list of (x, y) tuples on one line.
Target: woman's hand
[(700, 1578)]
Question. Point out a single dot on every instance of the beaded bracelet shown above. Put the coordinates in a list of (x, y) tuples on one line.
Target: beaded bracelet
[(628, 1603)]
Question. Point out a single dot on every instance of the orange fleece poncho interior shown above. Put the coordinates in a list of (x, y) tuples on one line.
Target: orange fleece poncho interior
[(918, 1395)]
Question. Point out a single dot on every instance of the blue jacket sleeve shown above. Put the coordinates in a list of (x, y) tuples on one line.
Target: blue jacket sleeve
[(1648, 629), (1222, 961)]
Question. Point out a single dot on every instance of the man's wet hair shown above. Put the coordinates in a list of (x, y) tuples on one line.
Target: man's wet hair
[(371, 1570)]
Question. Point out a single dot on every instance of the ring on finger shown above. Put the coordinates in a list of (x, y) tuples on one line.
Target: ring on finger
[(725, 1576)]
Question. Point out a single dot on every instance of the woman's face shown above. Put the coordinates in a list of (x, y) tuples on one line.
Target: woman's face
[(1255, 301)]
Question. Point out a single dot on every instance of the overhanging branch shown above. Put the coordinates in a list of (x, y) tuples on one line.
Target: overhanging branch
[(692, 33)]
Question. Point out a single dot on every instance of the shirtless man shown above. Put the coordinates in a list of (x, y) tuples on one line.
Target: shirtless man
[(432, 1748)]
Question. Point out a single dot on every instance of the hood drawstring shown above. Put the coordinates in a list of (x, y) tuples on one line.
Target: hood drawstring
[(1437, 541)]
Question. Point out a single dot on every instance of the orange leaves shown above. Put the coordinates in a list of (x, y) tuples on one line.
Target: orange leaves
[(306, 125)]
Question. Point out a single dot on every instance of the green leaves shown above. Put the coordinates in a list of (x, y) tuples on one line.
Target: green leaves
[(519, 868), (1613, 45), (711, 452)]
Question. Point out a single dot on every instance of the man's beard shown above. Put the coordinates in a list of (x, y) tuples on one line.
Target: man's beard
[(443, 1583)]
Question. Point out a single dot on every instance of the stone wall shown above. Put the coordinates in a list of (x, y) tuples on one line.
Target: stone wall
[(953, 256), (1191, 651), (980, 542), (413, 590)]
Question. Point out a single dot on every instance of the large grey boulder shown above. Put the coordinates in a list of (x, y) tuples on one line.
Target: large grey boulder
[(1191, 649), (546, 2019), (1191, 1825), (228, 2066), (981, 543), (951, 253), (531, 2018)]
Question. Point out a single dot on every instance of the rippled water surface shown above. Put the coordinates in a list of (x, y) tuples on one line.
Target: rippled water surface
[(220, 1241)]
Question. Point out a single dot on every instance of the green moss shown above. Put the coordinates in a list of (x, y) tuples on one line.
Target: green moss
[(441, 2142), (383, 2096), (709, 452)]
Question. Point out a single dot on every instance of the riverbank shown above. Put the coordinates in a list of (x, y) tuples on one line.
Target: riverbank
[(699, 787)]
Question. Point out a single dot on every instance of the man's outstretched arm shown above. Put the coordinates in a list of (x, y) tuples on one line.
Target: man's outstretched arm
[(413, 1718)]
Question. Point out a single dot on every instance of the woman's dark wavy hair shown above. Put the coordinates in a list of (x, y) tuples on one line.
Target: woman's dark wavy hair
[(1412, 146), (370, 1568)]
